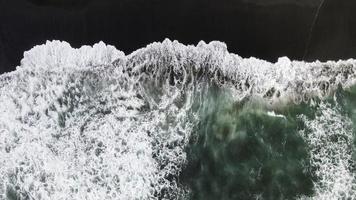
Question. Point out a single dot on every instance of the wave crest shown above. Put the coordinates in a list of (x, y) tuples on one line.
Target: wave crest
[(119, 124)]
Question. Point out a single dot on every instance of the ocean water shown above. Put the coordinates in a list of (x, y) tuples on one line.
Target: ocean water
[(246, 151), (174, 121)]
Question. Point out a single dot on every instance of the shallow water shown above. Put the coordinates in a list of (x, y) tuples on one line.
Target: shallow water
[(246, 151), (171, 121)]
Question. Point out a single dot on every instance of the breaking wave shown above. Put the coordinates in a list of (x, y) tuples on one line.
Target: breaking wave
[(171, 121)]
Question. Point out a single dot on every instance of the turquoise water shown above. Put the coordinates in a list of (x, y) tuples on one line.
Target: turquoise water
[(249, 151)]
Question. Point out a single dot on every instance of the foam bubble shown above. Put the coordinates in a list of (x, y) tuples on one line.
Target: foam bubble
[(330, 138)]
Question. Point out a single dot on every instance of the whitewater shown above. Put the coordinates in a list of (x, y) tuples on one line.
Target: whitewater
[(175, 121)]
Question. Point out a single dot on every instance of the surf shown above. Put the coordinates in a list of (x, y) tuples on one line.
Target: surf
[(175, 121)]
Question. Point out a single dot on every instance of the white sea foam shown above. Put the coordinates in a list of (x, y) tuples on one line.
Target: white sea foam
[(92, 123), (273, 114), (330, 138), (73, 126), (281, 82)]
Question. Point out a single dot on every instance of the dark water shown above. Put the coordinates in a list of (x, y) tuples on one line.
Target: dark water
[(264, 29)]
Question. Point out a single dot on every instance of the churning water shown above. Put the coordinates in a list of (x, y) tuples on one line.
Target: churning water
[(171, 121)]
